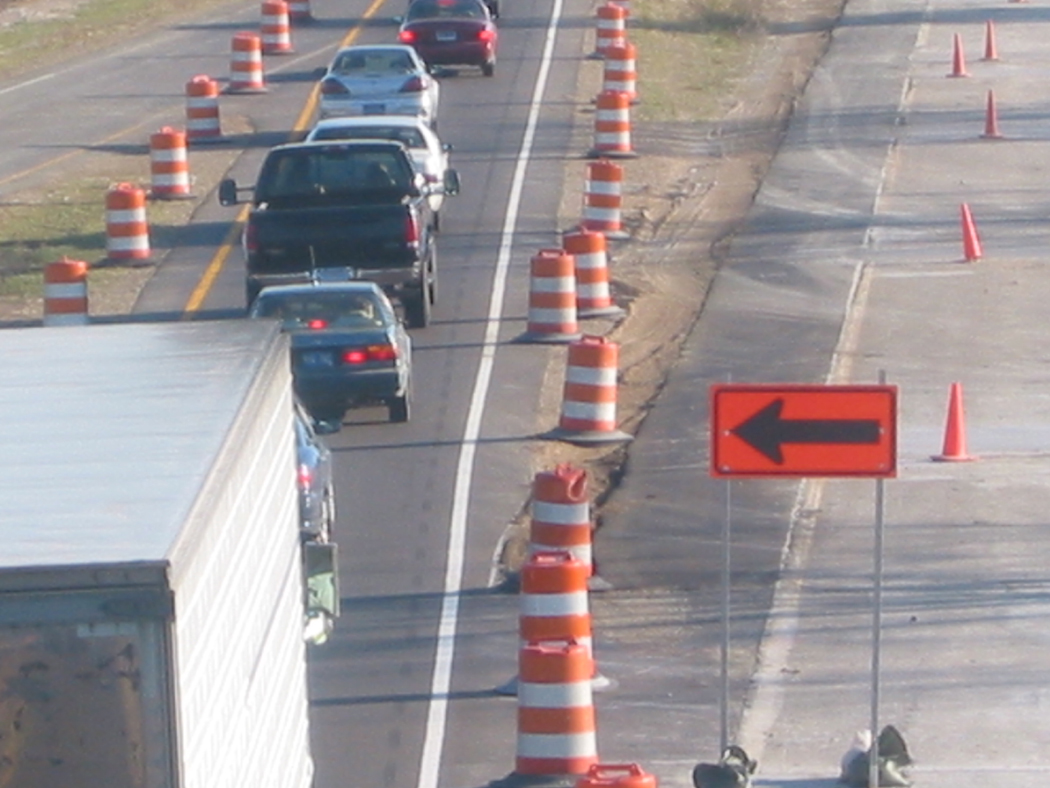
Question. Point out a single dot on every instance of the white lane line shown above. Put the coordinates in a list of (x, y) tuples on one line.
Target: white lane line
[(29, 83), (437, 712)]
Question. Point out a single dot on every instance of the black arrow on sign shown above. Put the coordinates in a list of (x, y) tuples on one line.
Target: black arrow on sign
[(767, 432)]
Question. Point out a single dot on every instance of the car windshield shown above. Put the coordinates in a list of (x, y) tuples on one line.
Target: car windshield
[(404, 134), (438, 9), (365, 62), (320, 309)]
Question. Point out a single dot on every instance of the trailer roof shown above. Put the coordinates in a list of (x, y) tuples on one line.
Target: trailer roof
[(107, 432)]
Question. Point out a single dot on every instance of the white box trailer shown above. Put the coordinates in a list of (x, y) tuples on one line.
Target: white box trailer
[(151, 572)]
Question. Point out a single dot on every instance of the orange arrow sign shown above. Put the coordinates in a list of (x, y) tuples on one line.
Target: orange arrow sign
[(803, 430)]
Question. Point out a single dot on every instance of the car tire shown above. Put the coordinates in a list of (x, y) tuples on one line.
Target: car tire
[(400, 409), (251, 292), (489, 68), (417, 309), (432, 280)]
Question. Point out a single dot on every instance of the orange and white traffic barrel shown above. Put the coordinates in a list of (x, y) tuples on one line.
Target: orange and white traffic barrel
[(127, 231), (202, 110), (603, 199), (561, 514), (246, 64), (66, 293), (617, 775), (619, 70), (553, 599), (588, 249), (612, 126), (557, 732), (552, 298), (299, 10), (611, 28), (588, 410), (276, 28), (168, 164)]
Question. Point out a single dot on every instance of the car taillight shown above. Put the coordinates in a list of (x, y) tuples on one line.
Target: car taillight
[(407, 36), (251, 238), (486, 35), (316, 324), (362, 355), (414, 85), (411, 229), (306, 477), (333, 87)]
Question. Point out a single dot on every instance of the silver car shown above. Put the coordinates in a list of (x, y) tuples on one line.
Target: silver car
[(380, 79), (429, 154)]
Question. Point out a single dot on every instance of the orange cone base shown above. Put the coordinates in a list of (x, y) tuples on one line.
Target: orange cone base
[(954, 458), (588, 437), (170, 196), (244, 91), (603, 311), (552, 338), (594, 153)]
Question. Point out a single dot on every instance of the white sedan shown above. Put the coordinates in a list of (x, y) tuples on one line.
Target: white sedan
[(379, 79), (429, 154)]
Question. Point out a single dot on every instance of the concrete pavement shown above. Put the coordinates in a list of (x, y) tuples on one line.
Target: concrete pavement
[(852, 264)]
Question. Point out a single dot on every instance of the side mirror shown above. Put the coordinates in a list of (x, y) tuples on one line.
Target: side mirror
[(320, 570), (447, 147), (451, 181), (228, 192)]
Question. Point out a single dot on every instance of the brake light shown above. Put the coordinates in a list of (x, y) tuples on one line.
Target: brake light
[(415, 84), (407, 36), (251, 238), (333, 87), (305, 476), (362, 355), (316, 324), (485, 34), (411, 229)]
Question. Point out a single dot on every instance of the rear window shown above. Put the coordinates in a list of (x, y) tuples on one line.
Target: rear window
[(431, 9), (327, 309), (372, 61), (328, 171), (409, 136)]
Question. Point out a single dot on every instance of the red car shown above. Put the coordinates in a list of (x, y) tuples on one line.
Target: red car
[(452, 33)]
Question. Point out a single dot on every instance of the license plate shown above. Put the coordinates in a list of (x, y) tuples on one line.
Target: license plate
[(317, 358), (446, 35), (374, 109)]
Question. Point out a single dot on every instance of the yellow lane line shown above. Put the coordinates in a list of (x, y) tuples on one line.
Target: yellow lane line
[(218, 261)]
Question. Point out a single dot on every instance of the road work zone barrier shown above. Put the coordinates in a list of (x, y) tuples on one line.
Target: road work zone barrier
[(561, 514), (588, 249), (275, 28), (246, 64), (588, 411), (612, 126), (603, 199), (168, 165), (66, 293), (127, 231), (619, 72), (611, 28), (556, 721), (202, 110), (552, 298)]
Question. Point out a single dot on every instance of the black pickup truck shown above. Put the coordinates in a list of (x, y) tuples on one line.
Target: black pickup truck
[(338, 211)]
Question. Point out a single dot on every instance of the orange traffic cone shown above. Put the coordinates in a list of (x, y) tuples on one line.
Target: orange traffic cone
[(971, 241), (990, 52), (958, 58), (991, 120), (955, 430)]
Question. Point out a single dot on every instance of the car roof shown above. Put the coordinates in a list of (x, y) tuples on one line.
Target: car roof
[(374, 47), (380, 142)]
